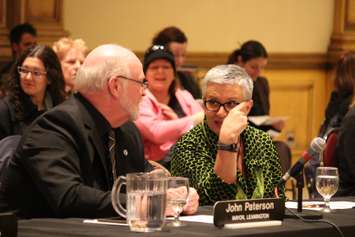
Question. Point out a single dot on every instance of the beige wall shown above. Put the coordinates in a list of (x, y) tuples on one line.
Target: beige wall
[(211, 25)]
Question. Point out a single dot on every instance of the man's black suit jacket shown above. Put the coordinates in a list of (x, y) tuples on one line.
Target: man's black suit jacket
[(60, 167)]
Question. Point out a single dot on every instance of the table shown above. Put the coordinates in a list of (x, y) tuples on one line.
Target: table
[(74, 227)]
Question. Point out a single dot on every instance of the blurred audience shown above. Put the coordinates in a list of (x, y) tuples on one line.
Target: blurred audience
[(166, 112), (342, 94), (176, 41), (71, 53), (223, 157), (21, 37), (36, 85)]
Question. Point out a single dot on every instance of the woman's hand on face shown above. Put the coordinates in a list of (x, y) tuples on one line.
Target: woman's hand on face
[(235, 123), (168, 112)]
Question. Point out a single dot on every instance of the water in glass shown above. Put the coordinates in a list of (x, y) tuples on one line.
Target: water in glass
[(146, 209), (327, 182)]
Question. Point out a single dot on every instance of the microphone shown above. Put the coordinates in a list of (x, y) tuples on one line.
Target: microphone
[(316, 147)]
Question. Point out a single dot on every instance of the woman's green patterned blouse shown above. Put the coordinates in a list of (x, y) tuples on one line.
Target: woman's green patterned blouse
[(194, 156)]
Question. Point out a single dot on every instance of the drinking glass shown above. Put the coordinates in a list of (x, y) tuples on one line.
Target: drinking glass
[(327, 182), (177, 194), (146, 200)]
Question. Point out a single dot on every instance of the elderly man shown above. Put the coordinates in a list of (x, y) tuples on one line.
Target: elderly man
[(223, 157), (66, 163)]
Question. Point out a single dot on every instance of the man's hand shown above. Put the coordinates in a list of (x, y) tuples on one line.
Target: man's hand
[(192, 202)]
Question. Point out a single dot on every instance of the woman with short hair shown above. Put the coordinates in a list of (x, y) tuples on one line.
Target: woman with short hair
[(223, 157)]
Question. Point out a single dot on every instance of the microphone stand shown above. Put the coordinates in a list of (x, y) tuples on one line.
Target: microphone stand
[(300, 186), (306, 214)]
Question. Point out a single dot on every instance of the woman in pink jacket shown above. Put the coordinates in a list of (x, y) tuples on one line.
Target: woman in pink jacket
[(165, 112)]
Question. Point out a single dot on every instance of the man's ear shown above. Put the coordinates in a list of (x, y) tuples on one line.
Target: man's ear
[(114, 87)]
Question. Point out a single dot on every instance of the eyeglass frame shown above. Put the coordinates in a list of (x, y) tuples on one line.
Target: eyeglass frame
[(219, 105), (143, 83), (34, 73)]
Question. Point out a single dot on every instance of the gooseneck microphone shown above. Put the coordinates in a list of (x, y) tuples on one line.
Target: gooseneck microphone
[(316, 147)]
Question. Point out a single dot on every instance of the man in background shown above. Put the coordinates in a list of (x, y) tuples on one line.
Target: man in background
[(21, 37)]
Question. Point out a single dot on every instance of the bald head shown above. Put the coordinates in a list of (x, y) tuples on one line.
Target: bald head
[(102, 63), (108, 52)]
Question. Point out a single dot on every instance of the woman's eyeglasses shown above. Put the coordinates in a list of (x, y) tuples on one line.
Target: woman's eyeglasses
[(35, 73), (214, 105)]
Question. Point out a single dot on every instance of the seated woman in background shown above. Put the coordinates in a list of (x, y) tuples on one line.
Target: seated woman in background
[(252, 56), (176, 41), (36, 85), (165, 112), (337, 107), (223, 157), (341, 96), (71, 54)]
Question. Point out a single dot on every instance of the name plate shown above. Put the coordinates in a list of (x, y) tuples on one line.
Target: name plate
[(251, 210)]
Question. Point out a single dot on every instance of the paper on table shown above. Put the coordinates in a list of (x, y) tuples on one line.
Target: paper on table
[(266, 119), (198, 218), (318, 205), (106, 222)]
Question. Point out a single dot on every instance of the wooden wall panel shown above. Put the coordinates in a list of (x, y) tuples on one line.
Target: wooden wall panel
[(297, 96), (45, 15), (5, 51), (350, 16), (343, 36)]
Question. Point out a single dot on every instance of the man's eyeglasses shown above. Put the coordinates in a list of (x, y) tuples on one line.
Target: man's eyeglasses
[(35, 73), (143, 83), (214, 105)]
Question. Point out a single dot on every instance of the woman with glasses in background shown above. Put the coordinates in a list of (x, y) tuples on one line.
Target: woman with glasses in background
[(36, 85), (225, 158), (165, 112)]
